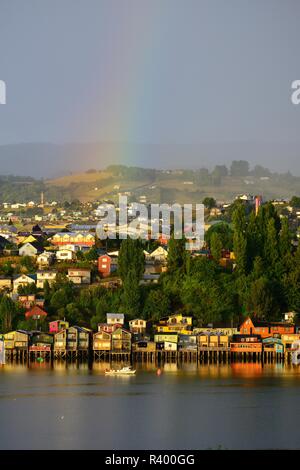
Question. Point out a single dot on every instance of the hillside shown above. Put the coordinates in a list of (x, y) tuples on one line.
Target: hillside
[(157, 186), (181, 186)]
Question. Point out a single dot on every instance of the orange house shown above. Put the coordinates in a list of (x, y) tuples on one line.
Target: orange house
[(244, 343), (265, 329), (104, 265)]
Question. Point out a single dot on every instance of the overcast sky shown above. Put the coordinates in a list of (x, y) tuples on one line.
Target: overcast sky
[(154, 71)]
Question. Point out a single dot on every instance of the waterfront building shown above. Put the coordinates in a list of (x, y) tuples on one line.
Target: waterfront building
[(144, 345), (58, 325), (213, 340), (187, 342), (246, 343), (138, 325), (272, 344), (162, 337), (41, 342), (175, 324), (74, 338), (102, 341), (16, 340), (121, 340), (265, 329), (288, 339)]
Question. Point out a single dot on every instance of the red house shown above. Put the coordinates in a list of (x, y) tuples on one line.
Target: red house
[(265, 329), (58, 325), (104, 265), (36, 313)]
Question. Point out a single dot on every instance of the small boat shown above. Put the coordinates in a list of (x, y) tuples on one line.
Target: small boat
[(124, 371)]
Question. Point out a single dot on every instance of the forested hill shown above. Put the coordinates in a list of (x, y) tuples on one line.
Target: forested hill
[(183, 186)]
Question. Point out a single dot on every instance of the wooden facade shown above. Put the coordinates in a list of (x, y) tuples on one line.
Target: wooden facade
[(266, 329), (17, 340), (246, 344), (121, 341), (144, 346), (41, 344), (289, 339), (138, 325), (102, 341), (72, 340)]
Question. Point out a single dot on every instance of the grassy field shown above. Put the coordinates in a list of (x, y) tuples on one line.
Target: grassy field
[(91, 186)]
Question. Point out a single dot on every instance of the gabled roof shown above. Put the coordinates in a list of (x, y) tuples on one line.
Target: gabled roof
[(30, 276), (35, 311), (3, 242), (36, 244)]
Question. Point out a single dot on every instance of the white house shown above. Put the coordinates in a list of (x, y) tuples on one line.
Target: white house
[(65, 255), (45, 259), (115, 318), (29, 249), (159, 255), (22, 280), (43, 276)]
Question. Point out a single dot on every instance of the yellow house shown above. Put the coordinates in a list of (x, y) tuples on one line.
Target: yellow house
[(162, 338), (16, 340), (288, 339), (213, 340), (5, 283), (102, 341), (175, 324)]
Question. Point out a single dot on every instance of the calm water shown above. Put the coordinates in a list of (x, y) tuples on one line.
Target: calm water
[(237, 406)]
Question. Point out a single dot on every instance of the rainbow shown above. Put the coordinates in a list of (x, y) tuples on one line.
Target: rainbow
[(123, 94)]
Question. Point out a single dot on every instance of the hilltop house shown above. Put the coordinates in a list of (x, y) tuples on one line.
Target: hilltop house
[(31, 249), (159, 255), (45, 259), (79, 275), (23, 280), (5, 283), (104, 265), (4, 243), (43, 276), (36, 313), (28, 301), (65, 254), (81, 239)]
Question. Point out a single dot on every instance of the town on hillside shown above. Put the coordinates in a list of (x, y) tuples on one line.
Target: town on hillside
[(236, 296)]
